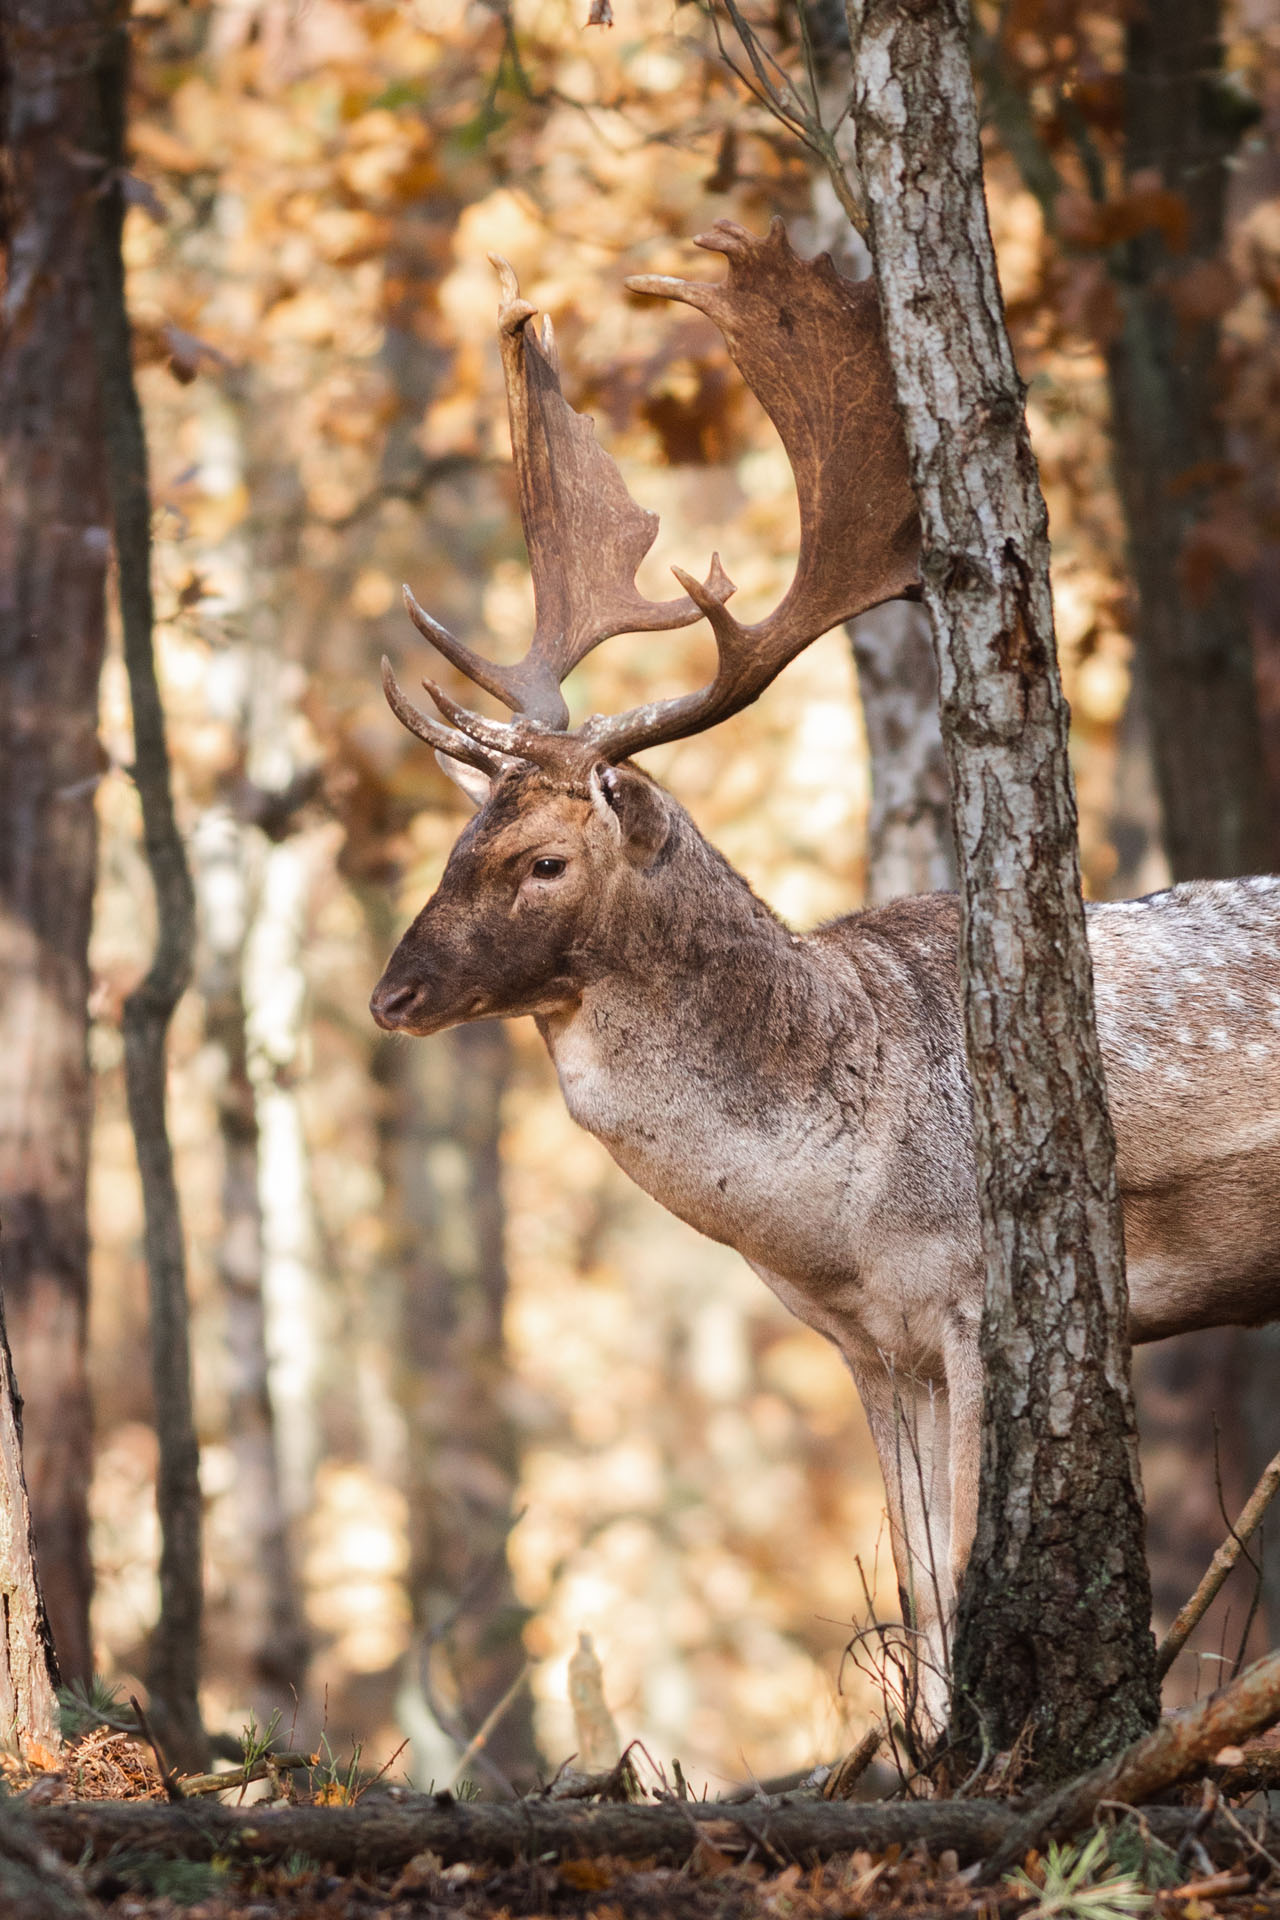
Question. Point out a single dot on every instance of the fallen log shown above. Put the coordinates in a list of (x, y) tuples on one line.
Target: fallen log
[(1182, 1744), (385, 1832), (33, 1882)]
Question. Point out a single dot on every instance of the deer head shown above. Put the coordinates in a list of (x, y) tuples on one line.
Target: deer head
[(565, 827)]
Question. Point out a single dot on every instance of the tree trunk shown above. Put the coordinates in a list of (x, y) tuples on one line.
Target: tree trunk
[(1054, 1625), (1194, 645), (174, 1667), (54, 545), (28, 1673), (1194, 656), (441, 1134), (265, 1602), (910, 845)]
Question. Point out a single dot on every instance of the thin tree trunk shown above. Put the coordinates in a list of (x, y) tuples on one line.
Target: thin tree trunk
[(910, 845), (54, 545), (174, 1669), (267, 1610), (441, 1138), (298, 1311), (1194, 644), (1054, 1624), (28, 1670)]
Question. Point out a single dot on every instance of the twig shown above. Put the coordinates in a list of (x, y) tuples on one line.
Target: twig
[(480, 1738), (1254, 1845), (270, 1763), (1219, 1567), (779, 98), (168, 1779)]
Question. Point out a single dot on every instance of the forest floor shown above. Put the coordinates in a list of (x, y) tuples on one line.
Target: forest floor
[(113, 1840)]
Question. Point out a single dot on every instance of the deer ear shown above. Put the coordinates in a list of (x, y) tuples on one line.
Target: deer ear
[(476, 785), (634, 804)]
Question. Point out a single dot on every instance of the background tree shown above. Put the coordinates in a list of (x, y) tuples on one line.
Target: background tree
[(1137, 163), (1053, 1627), (175, 1654), (54, 547)]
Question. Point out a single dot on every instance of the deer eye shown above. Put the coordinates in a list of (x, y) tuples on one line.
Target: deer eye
[(548, 868)]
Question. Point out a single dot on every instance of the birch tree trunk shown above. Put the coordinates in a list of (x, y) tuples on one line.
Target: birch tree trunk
[(1054, 1618), (54, 546), (266, 1603)]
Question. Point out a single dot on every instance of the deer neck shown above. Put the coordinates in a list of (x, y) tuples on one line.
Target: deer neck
[(699, 1032)]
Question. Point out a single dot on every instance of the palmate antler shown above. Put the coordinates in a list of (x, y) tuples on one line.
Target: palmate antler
[(809, 344)]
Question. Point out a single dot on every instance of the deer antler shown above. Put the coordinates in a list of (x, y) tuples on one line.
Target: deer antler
[(810, 345), (585, 534)]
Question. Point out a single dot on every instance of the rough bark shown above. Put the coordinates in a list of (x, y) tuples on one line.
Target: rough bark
[(1054, 1619), (54, 545), (174, 1664), (1194, 646), (1182, 1743), (28, 1674), (385, 1832)]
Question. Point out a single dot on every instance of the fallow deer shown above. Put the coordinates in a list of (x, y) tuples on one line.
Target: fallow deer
[(804, 1097)]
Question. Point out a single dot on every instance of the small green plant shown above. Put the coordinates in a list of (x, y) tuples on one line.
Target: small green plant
[(1078, 1883), (333, 1784), (255, 1741), (1134, 1849), (185, 1882), (299, 1866)]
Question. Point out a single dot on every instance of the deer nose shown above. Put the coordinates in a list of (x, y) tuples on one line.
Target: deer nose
[(389, 1005)]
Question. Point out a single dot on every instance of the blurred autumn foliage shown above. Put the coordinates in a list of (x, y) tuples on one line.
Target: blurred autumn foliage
[(462, 1391)]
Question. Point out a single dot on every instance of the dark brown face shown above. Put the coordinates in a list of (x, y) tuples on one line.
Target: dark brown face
[(512, 925)]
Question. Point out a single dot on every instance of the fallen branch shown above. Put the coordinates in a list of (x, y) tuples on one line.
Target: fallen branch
[(846, 1774), (1190, 1616), (1180, 1745), (386, 1832), (194, 1784)]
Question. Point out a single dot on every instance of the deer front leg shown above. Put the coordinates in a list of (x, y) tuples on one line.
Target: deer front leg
[(963, 1361), (910, 1426)]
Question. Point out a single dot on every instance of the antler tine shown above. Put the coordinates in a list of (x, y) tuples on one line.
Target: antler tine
[(585, 534), (809, 344), (484, 673), (421, 725)]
